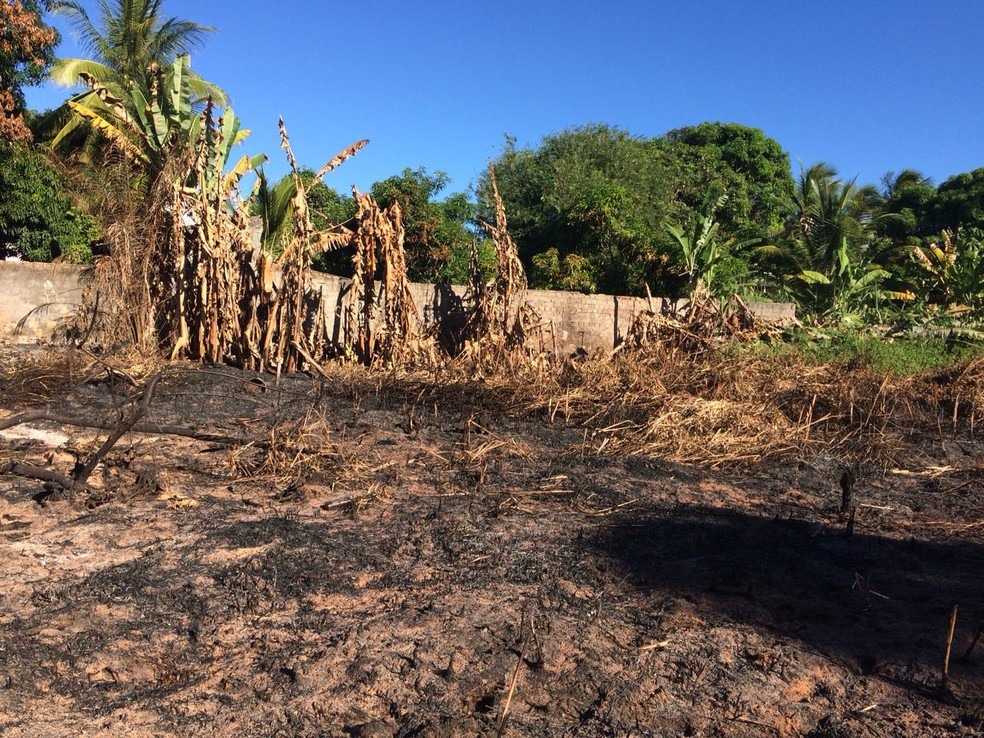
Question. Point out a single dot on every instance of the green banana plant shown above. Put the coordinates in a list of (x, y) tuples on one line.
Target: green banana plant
[(147, 126), (954, 271), (273, 204), (703, 249), (845, 291)]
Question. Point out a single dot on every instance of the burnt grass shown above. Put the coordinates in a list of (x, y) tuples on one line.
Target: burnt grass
[(441, 563)]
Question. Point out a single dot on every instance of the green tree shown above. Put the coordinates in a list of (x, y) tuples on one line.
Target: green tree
[(37, 219), (586, 207), (150, 127), (437, 240), (951, 270), (909, 199), (960, 201), (26, 51), (829, 214), (572, 273), (703, 249), (742, 162), (272, 203)]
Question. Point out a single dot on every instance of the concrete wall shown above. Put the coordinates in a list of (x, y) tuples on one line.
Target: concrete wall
[(568, 320), (36, 299)]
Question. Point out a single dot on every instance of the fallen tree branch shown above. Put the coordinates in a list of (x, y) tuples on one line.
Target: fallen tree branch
[(121, 429), (154, 429), (36, 472)]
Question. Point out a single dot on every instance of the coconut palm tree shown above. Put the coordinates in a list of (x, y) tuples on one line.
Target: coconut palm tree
[(136, 53), (130, 43), (824, 255), (829, 212), (894, 182)]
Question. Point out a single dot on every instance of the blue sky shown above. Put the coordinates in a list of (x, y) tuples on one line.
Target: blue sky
[(868, 86)]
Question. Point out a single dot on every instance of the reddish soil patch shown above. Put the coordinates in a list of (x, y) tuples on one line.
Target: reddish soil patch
[(436, 552)]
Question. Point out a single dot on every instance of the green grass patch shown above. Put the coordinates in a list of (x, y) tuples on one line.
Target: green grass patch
[(901, 357)]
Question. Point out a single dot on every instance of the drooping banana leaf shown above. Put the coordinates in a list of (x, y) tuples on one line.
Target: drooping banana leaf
[(111, 129)]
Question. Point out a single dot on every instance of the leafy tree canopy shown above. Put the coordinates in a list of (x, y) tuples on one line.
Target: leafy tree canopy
[(437, 238), (139, 87), (272, 203), (585, 207), (740, 162), (909, 198), (588, 206), (960, 201), (26, 52), (37, 219)]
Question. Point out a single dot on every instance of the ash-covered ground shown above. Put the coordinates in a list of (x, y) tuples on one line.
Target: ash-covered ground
[(389, 560)]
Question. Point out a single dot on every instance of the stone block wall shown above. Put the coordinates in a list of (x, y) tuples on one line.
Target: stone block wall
[(568, 320), (37, 299)]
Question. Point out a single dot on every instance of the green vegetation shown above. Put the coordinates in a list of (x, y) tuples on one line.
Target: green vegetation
[(37, 219), (131, 40), (903, 357), (590, 207)]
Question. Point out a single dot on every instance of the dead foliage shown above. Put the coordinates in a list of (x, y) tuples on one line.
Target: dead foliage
[(498, 310), (500, 324), (40, 377), (189, 281), (703, 323), (730, 408), (301, 456), (382, 324), (197, 286)]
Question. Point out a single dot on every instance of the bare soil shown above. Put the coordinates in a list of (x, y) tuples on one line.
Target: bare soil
[(426, 560)]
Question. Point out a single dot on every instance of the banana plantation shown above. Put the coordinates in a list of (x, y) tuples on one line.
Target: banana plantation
[(141, 158)]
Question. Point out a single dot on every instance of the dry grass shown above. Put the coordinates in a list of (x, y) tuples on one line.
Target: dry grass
[(717, 409), (40, 377), (722, 410)]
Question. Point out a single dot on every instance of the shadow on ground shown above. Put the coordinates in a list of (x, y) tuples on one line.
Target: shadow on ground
[(877, 604)]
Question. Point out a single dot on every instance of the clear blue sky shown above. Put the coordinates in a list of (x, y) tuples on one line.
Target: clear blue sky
[(868, 86)]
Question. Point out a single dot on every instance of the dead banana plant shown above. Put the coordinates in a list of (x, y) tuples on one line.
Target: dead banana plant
[(499, 320), (383, 325), (202, 287)]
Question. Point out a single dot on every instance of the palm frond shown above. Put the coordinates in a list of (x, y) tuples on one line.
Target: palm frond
[(74, 72)]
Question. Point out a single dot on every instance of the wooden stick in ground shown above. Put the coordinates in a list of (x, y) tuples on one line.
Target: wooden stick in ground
[(945, 681), (512, 690), (848, 478)]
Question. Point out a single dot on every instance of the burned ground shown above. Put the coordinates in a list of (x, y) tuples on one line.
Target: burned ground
[(403, 556)]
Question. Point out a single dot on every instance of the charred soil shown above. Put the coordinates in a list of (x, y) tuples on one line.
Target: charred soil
[(399, 556)]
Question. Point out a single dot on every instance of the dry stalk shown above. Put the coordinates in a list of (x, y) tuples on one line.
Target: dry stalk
[(704, 324), (186, 280), (500, 324), (383, 327)]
